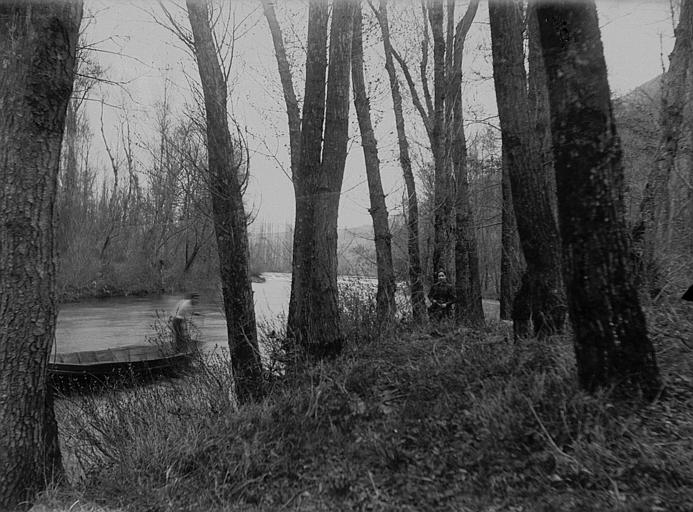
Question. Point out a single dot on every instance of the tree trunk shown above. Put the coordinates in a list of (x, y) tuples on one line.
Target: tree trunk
[(418, 297), (539, 115), (313, 310), (611, 343), (325, 338), (385, 298), (292, 110), (37, 50), (512, 260), (304, 177), (467, 282), (228, 211), (442, 185), (540, 298)]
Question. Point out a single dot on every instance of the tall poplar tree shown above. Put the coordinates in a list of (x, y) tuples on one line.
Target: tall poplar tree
[(318, 156), (385, 297), (230, 220)]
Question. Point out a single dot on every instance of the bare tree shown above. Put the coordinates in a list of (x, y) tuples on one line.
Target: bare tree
[(318, 142), (611, 343), (37, 49), (540, 298), (385, 298), (226, 186), (416, 280), (467, 281)]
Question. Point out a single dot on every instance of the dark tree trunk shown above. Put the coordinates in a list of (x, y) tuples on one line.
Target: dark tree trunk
[(467, 283), (540, 299), (539, 115), (37, 51), (313, 310), (325, 330), (305, 176), (416, 281), (512, 260), (611, 343), (385, 298), (225, 185)]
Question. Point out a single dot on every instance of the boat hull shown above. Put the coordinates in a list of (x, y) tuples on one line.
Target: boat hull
[(131, 363)]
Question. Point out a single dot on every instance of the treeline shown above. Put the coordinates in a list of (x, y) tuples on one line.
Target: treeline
[(147, 229)]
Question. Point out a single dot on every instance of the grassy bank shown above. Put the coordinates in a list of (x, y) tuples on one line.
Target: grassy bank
[(416, 420)]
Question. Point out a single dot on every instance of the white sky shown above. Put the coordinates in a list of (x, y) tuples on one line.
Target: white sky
[(637, 35)]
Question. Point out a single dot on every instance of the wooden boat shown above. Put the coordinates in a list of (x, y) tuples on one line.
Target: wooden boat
[(120, 362)]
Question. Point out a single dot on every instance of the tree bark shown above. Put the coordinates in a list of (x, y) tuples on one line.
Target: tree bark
[(304, 179), (325, 331), (540, 299), (467, 283), (228, 211), (442, 194), (418, 297), (313, 310), (512, 260), (385, 297), (37, 51), (538, 99), (611, 343)]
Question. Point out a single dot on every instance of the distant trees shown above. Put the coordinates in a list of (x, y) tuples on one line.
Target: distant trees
[(38, 43), (540, 298), (611, 343), (226, 189)]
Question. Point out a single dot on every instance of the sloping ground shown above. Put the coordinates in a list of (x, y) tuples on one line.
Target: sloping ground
[(431, 420)]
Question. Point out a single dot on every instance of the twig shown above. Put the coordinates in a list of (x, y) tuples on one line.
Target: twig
[(550, 439)]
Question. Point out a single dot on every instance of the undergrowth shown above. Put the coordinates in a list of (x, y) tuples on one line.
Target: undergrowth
[(434, 419)]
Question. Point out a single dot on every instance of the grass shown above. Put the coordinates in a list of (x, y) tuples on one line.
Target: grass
[(413, 419)]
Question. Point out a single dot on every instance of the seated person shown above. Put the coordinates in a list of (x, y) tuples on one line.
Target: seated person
[(442, 297)]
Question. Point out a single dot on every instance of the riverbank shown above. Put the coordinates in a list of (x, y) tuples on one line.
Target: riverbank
[(416, 420)]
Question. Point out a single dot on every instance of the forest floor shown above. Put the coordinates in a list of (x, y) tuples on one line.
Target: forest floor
[(424, 419)]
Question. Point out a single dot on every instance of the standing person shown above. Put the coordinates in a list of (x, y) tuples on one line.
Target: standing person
[(184, 310), (442, 297)]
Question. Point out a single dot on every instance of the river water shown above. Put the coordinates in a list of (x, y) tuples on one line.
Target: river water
[(115, 322)]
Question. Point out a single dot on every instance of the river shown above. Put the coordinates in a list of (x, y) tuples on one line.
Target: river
[(114, 322)]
